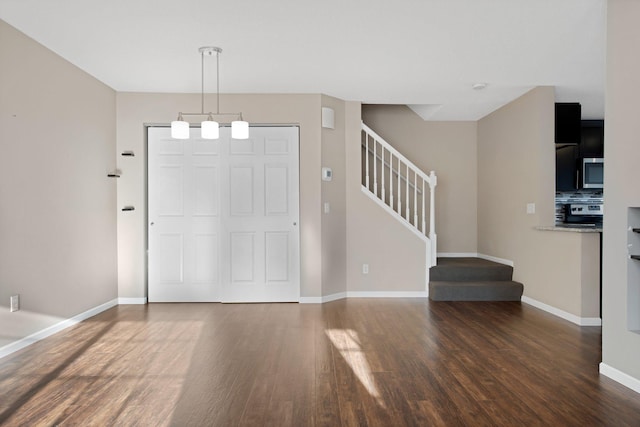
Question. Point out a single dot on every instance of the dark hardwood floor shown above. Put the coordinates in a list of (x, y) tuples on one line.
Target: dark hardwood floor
[(376, 362)]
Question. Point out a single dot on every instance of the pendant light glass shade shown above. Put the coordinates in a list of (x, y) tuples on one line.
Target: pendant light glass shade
[(210, 129), (180, 129), (239, 129)]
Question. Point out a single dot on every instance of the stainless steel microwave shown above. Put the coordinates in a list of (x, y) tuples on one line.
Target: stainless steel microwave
[(592, 169)]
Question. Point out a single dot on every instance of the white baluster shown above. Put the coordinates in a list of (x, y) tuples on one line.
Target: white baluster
[(415, 199), (375, 167), (391, 179), (383, 167), (399, 189), (424, 231), (406, 214), (366, 154)]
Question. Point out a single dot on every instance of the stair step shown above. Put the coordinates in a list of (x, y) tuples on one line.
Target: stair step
[(469, 269), (503, 290)]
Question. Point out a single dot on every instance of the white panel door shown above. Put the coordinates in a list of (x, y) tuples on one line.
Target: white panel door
[(184, 218), (261, 217), (223, 217)]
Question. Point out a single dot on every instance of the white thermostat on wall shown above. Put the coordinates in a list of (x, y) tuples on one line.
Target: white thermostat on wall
[(327, 174)]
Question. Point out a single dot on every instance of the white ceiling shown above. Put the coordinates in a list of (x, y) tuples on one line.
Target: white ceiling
[(423, 53)]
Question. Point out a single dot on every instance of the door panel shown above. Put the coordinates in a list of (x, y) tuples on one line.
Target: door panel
[(277, 256), (206, 191), (223, 217), (171, 180), (241, 146), (276, 193), (206, 258), (171, 258), (243, 262), (241, 191)]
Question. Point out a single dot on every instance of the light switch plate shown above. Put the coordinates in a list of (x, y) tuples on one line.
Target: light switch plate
[(15, 303), (531, 208)]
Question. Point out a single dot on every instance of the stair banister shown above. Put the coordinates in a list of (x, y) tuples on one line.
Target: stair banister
[(396, 153), (388, 165), (418, 175)]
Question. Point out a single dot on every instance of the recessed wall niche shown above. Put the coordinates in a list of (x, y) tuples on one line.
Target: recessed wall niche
[(633, 270)]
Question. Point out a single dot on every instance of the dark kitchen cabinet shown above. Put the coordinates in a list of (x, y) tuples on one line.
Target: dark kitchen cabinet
[(592, 138), (567, 122), (569, 156), (566, 167)]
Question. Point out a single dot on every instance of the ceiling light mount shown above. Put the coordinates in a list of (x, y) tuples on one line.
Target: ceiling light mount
[(479, 86), (210, 50), (209, 128)]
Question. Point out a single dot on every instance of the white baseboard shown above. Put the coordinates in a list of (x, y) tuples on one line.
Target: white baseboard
[(496, 259), (580, 321), (364, 294), (457, 254), (387, 294), (321, 300), (619, 376), (132, 301), (475, 255), (47, 332), (310, 300)]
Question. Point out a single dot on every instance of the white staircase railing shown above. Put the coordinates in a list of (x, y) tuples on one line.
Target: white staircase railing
[(398, 185)]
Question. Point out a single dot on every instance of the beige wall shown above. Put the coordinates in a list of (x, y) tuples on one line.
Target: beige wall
[(334, 223), (57, 207), (621, 298), (136, 109), (516, 166), (449, 149)]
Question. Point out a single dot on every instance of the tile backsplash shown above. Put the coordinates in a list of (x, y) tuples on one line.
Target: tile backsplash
[(575, 197)]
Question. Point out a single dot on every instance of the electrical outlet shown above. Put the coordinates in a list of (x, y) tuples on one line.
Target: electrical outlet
[(365, 268), (327, 207), (15, 303)]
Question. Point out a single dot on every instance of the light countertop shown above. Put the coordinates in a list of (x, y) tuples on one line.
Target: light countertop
[(570, 228)]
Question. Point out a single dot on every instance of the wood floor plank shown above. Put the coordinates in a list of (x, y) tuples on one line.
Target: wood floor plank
[(356, 362)]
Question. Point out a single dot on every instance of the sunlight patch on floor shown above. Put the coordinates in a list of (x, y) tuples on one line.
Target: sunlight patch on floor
[(142, 361), (346, 341)]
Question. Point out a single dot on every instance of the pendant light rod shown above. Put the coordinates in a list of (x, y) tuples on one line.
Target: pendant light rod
[(239, 115), (210, 50), (202, 82), (218, 82)]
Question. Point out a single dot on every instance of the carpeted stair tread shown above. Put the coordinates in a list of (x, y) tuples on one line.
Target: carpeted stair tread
[(469, 269), (502, 290), (472, 279)]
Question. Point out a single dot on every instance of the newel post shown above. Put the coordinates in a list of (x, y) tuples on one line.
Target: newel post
[(433, 181)]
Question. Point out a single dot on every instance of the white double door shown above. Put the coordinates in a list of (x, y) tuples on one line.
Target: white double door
[(223, 216)]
